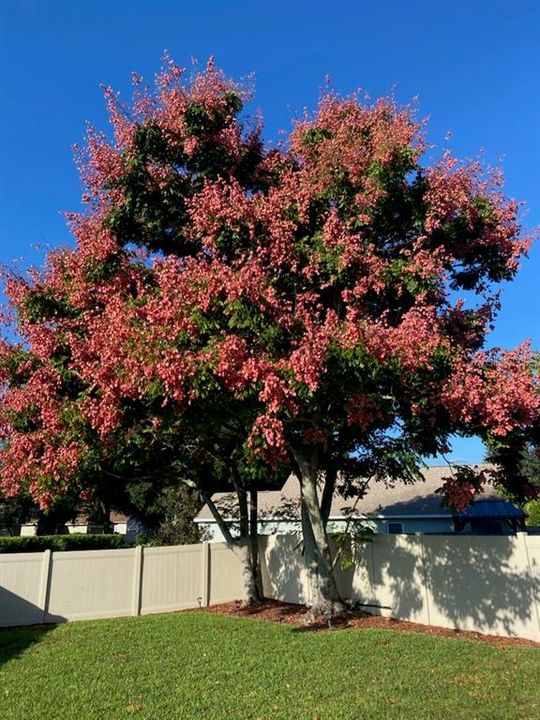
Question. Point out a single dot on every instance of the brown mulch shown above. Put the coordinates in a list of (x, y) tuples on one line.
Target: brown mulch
[(274, 611)]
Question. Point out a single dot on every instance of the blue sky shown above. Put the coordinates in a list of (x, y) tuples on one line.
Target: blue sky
[(475, 67)]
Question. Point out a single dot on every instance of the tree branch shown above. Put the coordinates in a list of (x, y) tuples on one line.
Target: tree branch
[(328, 492), (219, 519)]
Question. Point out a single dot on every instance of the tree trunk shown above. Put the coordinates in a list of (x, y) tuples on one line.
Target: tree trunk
[(251, 595), (310, 552), (254, 540), (245, 547), (241, 547), (325, 599)]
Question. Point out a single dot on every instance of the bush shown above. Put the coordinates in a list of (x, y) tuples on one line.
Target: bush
[(533, 513), (60, 542)]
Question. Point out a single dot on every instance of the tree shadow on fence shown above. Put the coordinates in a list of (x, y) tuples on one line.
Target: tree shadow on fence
[(493, 591), (283, 569), (479, 583), (467, 582), (18, 632)]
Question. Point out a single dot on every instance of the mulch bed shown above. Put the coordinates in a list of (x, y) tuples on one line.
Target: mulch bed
[(278, 612)]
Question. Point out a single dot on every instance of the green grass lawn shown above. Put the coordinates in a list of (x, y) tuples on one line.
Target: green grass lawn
[(211, 667)]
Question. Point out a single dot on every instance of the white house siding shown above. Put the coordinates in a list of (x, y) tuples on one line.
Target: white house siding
[(422, 525), (120, 528), (417, 506)]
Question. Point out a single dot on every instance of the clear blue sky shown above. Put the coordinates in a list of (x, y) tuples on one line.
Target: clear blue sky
[(475, 67)]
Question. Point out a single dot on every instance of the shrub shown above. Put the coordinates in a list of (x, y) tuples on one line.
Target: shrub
[(533, 513), (60, 542)]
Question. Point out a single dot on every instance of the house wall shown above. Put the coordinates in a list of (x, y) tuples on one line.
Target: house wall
[(441, 525), (420, 525), (30, 529)]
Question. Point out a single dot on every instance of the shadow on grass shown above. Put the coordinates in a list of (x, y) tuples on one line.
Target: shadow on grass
[(16, 612), (15, 641)]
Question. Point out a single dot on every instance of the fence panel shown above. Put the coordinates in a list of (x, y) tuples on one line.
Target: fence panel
[(389, 577), (90, 584), (482, 584), (284, 574), (225, 574), (21, 576), (487, 584), (171, 578)]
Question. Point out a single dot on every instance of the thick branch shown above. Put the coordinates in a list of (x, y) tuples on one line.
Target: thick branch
[(241, 494), (328, 492), (225, 530), (254, 527)]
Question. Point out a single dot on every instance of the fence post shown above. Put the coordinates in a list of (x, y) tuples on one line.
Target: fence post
[(205, 584), (43, 597), (137, 581), (425, 577), (524, 537)]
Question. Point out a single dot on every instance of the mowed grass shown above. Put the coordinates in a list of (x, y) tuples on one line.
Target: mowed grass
[(212, 667)]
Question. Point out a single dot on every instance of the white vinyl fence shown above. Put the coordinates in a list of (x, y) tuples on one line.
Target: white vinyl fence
[(487, 584), (49, 587)]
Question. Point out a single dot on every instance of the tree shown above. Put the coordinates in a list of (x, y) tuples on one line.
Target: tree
[(174, 522), (530, 468), (267, 309), (14, 512), (517, 454)]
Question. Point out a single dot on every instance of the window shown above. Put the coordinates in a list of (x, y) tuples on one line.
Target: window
[(395, 528)]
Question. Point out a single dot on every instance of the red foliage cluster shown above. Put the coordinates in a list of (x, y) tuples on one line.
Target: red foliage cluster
[(325, 273)]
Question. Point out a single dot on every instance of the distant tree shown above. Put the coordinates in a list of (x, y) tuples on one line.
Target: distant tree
[(174, 518), (531, 470), (14, 512), (259, 310), (530, 465), (522, 460)]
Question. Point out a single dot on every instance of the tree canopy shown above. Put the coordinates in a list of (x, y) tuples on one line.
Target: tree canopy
[(319, 306)]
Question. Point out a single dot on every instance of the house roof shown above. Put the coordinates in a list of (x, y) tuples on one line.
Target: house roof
[(493, 508), (384, 500)]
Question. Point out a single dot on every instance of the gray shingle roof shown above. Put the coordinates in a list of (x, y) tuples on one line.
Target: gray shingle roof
[(394, 501)]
